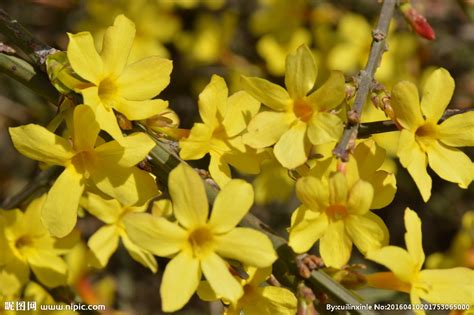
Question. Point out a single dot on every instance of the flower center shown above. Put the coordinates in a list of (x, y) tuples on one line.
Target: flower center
[(23, 241), (426, 134), (302, 110), (201, 241), (107, 90), (83, 161), (336, 211)]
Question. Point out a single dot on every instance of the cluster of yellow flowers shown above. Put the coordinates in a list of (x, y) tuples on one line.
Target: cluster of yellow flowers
[(101, 176)]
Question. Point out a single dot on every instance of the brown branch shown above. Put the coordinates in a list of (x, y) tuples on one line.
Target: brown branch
[(365, 78)]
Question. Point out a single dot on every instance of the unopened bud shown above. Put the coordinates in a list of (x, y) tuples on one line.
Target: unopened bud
[(418, 22)]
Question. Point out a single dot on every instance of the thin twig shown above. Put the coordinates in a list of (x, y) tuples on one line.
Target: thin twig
[(365, 80)]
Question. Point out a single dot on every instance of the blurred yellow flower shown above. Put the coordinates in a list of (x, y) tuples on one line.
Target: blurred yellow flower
[(197, 244), (433, 285), (423, 141)]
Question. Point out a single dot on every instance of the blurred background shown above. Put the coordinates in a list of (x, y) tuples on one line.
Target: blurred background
[(253, 37)]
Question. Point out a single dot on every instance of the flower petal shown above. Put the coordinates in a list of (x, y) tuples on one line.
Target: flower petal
[(83, 56), (415, 161), (175, 292), (307, 231), (216, 271), (324, 128), (213, 101), (300, 72), (137, 110), (451, 164), (338, 189), (413, 237), (105, 116), (246, 245), (276, 301), (219, 170), (312, 192), (406, 105), (437, 93), (454, 286), (368, 232), (48, 268), (145, 78), (40, 144), (228, 210), (197, 144), (108, 211), (335, 245), (86, 129), (139, 254), (189, 197), (155, 234), (59, 213), (458, 130), (387, 280), (241, 108), (385, 187), (269, 94), (116, 46), (103, 244), (266, 128), (130, 151), (292, 148), (330, 94), (360, 198), (397, 260)]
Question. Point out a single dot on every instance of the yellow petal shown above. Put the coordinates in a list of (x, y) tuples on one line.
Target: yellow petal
[(324, 128), (458, 130), (307, 230), (387, 280), (369, 157), (246, 245), (48, 268), (116, 46), (415, 161), (189, 197), (59, 213), (175, 292), (437, 93), (140, 255), (385, 187), (130, 151), (447, 286), (197, 144), (415, 300), (397, 260), (104, 243), (330, 94), (406, 105), (216, 271), (269, 94), (360, 198), (39, 144), (155, 234), (86, 128), (367, 232), (206, 293), (338, 189), (292, 148), (108, 211), (266, 128), (213, 101), (312, 192), (13, 276), (450, 164), (300, 72), (413, 237), (84, 58), (137, 110), (335, 245), (276, 301), (241, 108), (219, 170), (145, 78), (228, 210), (105, 116)]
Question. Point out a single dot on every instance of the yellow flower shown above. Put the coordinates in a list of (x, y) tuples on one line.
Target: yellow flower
[(297, 120), (259, 298), (434, 286), (338, 215), (109, 167), (197, 244), (423, 141), (29, 246), (104, 242), (111, 83), (224, 118)]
